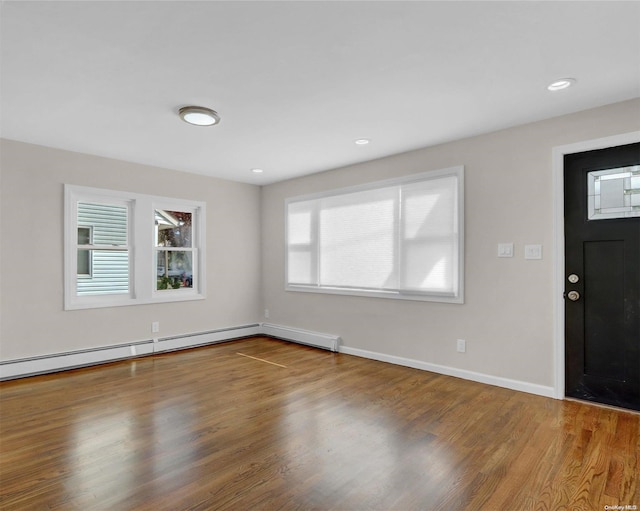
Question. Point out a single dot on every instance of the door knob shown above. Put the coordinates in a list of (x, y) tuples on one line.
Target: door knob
[(574, 296)]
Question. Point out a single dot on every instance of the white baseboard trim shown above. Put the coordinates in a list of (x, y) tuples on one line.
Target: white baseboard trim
[(317, 339), (497, 381), (12, 369), (73, 359)]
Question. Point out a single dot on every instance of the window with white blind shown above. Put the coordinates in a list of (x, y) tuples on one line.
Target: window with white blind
[(400, 238), (123, 248)]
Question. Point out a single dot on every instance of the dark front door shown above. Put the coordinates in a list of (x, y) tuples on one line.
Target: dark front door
[(602, 275)]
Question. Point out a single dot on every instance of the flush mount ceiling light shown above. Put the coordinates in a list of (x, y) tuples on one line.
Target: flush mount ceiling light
[(199, 115), (362, 141), (563, 83), (257, 171)]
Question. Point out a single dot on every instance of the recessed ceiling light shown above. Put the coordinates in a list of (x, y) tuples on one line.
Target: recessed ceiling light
[(199, 115), (563, 83), (257, 171), (362, 141)]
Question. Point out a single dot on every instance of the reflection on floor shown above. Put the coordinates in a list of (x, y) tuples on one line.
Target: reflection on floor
[(260, 424)]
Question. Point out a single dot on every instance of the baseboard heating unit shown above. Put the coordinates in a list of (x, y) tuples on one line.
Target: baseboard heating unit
[(179, 342), (32, 366), (316, 339)]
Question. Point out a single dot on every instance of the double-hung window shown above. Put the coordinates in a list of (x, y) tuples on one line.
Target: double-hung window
[(174, 248), (103, 248), (400, 238), (124, 248)]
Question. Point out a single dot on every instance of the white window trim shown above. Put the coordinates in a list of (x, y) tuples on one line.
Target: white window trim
[(141, 244), (457, 298)]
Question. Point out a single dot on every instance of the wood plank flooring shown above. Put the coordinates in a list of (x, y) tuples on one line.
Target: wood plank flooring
[(260, 424)]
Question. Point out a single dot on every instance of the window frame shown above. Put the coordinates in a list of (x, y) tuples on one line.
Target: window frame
[(401, 294), (141, 248), (173, 205), (89, 274)]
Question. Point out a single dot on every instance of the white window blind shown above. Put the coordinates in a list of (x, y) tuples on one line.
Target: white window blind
[(357, 239), (400, 239), (430, 236), (300, 243)]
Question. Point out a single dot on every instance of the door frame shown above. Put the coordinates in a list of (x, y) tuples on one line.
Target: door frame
[(558, 154)]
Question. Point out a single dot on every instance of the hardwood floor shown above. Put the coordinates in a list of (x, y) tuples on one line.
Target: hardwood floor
[(260, 424)]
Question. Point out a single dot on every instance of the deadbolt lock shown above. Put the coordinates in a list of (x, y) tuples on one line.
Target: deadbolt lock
[(574, 296), (573, 278)]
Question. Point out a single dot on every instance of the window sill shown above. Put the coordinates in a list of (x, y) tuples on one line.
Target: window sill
[(102, 302), (394, 295)]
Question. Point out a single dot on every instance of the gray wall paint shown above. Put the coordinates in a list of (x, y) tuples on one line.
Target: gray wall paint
[(33, 321), (507, 318)]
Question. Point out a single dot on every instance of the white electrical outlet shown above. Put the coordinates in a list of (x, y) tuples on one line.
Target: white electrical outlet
[(266, 313), (155, 327), (461, 346)]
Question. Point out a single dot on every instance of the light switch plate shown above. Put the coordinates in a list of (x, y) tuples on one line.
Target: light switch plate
[(533, 251), (505, 249)]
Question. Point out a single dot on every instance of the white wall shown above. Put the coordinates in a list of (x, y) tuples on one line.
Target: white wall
[(507, 318), (33, 321)]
